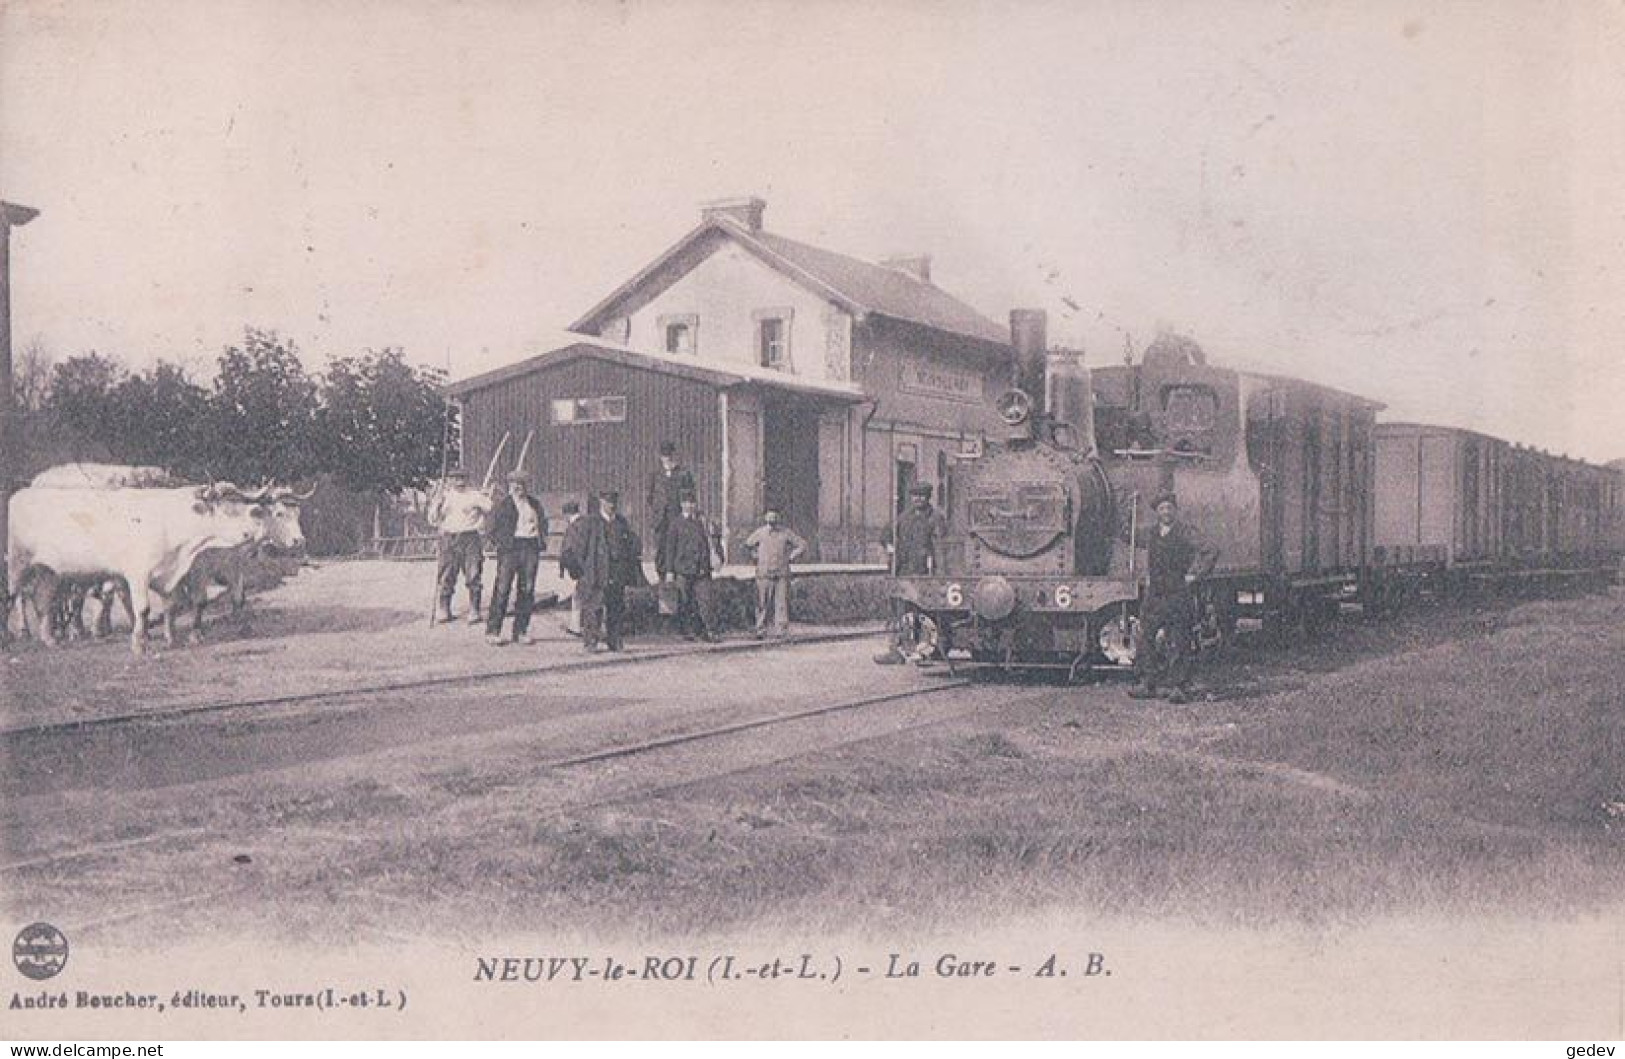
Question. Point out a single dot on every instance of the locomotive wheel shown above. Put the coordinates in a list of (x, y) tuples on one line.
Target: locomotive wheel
[(923, 634)]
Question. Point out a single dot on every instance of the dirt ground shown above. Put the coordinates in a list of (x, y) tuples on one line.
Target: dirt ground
[(335, 625)]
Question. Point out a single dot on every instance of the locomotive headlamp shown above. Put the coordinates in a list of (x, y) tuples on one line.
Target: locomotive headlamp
[(1014, 406), (993, 600)]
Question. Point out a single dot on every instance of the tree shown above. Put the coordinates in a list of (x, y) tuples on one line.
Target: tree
[(261, 422), (163, 419), (31, 377), (82, 398), (383, 422)]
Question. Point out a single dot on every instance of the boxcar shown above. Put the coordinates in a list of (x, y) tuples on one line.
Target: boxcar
[(1468, 507), (1274, 473)]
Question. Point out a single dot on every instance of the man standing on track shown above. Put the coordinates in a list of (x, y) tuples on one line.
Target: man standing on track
[(1174, 563), (519, 531), (460, 513)]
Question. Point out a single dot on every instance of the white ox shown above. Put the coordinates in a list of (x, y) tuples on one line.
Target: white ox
[(228, 566), (148, 537), (106, 476)]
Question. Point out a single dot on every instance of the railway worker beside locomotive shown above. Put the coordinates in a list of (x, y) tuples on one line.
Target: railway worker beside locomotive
[(775, 546), (519, 533), (690, 557), (459, 513), (666, 489), (1174, 563), (912, 540)]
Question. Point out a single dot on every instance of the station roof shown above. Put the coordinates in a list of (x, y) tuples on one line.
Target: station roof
[(721, 377), (858, 286)]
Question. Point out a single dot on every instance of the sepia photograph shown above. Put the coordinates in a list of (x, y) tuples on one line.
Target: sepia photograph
[(716, 519)]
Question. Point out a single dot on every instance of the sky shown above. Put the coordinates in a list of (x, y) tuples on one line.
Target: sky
[(1418, 202)]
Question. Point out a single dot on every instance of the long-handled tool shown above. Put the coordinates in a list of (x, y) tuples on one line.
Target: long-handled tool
[(491, 469), (524, 450), (440, 491)]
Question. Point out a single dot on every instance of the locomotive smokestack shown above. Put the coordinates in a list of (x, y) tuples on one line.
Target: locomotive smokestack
[(1029, 344)]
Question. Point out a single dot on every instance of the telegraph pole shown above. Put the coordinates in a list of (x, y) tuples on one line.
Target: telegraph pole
[(11, 216)]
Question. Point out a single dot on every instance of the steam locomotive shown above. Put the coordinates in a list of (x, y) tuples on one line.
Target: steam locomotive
[(1041, 566)]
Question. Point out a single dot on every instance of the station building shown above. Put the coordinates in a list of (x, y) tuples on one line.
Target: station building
[(787, 376)]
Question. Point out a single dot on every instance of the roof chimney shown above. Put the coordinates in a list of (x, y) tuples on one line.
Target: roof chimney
[(916, 265), (745, 212)]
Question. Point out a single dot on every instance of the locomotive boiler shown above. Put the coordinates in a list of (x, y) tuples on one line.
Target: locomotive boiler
[(1042, 563)]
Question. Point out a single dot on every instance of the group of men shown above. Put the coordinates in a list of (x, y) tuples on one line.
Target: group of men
[(603, 557)]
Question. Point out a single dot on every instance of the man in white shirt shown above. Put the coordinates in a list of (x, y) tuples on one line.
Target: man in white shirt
[(519, 532), (459, 513)]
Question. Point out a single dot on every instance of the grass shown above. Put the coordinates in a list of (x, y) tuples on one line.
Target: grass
[(1461, 763), (1455, 777)]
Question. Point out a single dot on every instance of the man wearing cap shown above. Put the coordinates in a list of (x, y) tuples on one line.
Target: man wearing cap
[(519, 532), (691, 544), (569, 558), (913, 541), (916, 535), (604, 559), (1174, 563), (459, 513), (666, 488), (775, 546)]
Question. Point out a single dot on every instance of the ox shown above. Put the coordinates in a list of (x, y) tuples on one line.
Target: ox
[(105, 476), (148, 537), (228, 566)]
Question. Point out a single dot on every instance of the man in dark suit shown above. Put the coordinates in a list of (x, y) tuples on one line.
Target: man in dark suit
[(666, 488), (519, 533), (1174, 563), (604, 556), (691, 544)]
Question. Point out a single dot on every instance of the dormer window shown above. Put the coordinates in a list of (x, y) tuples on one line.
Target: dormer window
[(680, 334), (773, 338)]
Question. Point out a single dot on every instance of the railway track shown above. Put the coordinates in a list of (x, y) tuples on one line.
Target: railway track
[(46, 861), (416, 684)]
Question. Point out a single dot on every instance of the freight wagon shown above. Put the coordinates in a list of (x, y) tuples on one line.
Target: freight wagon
[(1458, 510)]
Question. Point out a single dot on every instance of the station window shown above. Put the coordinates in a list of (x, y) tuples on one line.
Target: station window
[(680, 334), (577, 411), (773, 338)]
